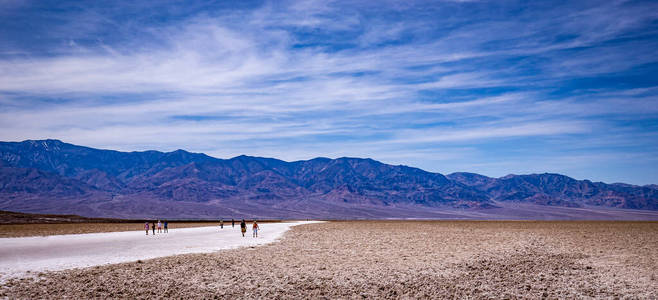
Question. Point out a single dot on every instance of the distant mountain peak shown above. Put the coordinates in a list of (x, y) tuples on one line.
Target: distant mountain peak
[(53, 176), (50, 141), (48, 144)]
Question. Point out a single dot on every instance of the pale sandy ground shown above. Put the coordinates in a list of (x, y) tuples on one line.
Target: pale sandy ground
[(20, 256), (382, 259)]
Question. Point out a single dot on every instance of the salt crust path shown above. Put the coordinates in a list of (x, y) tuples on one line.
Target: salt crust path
[(18, 256)]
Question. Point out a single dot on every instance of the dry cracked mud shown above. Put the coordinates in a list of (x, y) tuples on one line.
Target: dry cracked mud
[(390, 259)]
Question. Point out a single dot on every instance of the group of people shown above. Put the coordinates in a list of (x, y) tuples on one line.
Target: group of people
[(158, 225), (243, 226)]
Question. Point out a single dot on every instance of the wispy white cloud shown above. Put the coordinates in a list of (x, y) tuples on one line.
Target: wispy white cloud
[(338, 79), (491, 132)]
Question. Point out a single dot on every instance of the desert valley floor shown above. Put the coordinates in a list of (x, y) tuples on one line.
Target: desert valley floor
[(389, 259)]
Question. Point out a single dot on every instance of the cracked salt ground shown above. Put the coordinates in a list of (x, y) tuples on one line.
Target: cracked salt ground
[(25, 255), (376, 259)]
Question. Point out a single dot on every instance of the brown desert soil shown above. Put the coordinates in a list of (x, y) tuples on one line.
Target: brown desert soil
[(22, 230), (379, 259), (10, 217)]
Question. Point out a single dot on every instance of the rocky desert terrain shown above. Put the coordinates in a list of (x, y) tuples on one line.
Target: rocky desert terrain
[(390, 259)]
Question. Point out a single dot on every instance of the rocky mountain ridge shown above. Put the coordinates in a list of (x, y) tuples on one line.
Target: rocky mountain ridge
[(50, 176)]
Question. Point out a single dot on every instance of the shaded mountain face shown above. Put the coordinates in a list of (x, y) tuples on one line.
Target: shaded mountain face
[(50, 176), (560, 190)]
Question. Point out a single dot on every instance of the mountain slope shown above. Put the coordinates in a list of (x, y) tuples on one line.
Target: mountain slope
[(55, 177), (556, 189)]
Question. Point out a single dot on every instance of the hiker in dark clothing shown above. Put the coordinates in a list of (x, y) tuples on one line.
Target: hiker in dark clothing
[(232, 223), (166, 227), (243, 227), (221, 223), (153, 226)]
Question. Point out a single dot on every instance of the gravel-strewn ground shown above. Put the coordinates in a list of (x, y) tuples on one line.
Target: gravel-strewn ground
[(380, 259), (22, 230)]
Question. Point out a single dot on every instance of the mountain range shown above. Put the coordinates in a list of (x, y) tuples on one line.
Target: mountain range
[(50, 176)]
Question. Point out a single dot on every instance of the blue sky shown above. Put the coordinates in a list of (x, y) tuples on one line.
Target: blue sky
[(493, 87)]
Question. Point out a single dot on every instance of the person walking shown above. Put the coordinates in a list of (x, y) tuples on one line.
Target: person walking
[(159, 227), (153, 227), (232, 223), (221, 223), (255, 229), (146, 227), (166, 226), (243, 227)]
